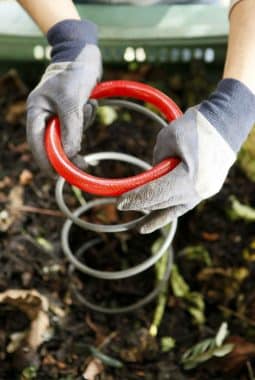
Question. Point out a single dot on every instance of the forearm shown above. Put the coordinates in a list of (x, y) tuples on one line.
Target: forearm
[(240, 61), (47, 13)]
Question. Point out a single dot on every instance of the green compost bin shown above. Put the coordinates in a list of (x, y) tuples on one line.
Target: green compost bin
[(155, 34)]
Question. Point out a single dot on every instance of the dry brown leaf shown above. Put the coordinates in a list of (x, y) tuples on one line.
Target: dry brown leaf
[(15, 111), (48, 360), (35, 306), (108, 214), (25, 177), (210, 236), (12, 212), (222, 284), (16, 340), (238, 274), (98, 330), (16, 198), (242, 352), (5, 182), (146, 347), (11, 84), (20, 148), (3, 197), (94, 368)]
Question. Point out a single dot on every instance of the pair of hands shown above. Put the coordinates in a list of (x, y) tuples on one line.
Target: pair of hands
[(206, 138)]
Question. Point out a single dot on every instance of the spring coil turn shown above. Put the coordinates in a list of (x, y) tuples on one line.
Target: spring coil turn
[(74, 218)]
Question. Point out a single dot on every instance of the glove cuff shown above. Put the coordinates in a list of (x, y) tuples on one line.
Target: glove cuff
[(68, 38), (231, 110)]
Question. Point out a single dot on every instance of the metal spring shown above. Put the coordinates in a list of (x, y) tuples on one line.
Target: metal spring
[(74, 218)]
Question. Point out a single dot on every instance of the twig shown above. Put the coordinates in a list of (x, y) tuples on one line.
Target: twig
[(162, 298), (28, 238), (107, 340), (237, 315), (96, 352), (42, 211), (159, 312), (250, 370), (105, 359)]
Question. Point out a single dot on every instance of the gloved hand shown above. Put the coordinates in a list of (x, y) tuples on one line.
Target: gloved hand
[(206, 139), (65, 88)]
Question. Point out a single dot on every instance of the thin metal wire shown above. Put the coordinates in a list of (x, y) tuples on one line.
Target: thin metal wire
[(130, 308), (107, 275), (74, 218), (94, 159), (135, 107)]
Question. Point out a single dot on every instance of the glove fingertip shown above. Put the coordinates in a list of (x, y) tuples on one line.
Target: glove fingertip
[(71, 150), (132, 202), (157, 220), (72, 142), (123, 204), (71, 132), (138, 199)]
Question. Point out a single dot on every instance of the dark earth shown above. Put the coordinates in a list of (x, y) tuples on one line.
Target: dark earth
[(214, 253)]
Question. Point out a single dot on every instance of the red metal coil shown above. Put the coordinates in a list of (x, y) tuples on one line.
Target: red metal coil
[(106, 186)]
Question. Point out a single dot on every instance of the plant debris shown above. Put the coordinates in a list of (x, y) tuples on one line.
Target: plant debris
[(194, 301), (207, 349), (36, 307), (212, 280)]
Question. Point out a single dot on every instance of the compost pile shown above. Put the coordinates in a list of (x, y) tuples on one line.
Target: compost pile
[(203, 326)]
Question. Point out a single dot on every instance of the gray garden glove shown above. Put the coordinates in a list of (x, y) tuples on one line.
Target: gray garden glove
[(65, 88), (206, 139)]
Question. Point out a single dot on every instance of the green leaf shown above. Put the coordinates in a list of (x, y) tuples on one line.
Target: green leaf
[(223, 350), (78, 194), (221, 334), (194, 300), (207, 349), (246, 157), (198, 349), (198, 315), (45, 244), (240, 211), (197, 252), (197, 306), (167, 343), (160, 269), (179, 286), (107, 360), (107, 115), (160, 266), (29, 373)]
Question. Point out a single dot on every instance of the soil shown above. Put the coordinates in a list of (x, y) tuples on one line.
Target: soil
[(31, 257)]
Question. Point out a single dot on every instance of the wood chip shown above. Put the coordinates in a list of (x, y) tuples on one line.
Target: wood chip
[(94, 368), (25, 178), (35, 306)]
